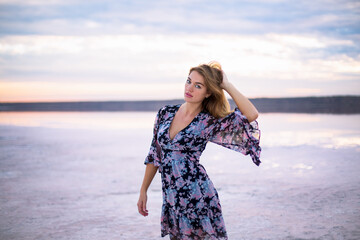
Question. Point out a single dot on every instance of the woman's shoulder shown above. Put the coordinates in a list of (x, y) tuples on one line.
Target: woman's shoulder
[(209, 118), (169, 108)]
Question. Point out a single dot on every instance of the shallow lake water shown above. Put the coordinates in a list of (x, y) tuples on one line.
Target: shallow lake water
[(76, 175)]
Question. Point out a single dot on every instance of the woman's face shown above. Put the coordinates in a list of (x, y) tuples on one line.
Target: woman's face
[(195, 89)]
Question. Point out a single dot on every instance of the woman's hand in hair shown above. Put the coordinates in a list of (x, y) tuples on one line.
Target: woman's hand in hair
[(225, 82)]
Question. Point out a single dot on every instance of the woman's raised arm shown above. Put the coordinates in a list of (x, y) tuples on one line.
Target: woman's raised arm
[(242, 102)]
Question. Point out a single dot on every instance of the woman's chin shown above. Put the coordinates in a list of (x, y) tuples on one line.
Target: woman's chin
[(188, 99), (191, 100)]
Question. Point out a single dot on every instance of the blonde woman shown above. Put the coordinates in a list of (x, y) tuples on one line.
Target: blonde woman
[(191, 208)]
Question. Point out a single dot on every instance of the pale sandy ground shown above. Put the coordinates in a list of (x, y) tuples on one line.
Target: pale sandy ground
[(83, 184)]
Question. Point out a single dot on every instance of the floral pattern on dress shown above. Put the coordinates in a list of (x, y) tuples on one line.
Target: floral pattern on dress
[(191, 208)]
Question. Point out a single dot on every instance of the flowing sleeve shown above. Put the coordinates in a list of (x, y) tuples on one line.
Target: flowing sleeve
[(236, 133), (154, 155)]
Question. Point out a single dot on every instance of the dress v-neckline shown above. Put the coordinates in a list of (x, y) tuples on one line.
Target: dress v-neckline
[(178, 107)]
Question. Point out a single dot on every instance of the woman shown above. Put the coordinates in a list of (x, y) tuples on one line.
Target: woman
[(191, 207)]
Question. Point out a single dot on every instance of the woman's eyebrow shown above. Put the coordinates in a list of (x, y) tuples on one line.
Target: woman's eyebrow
[(196, 82)]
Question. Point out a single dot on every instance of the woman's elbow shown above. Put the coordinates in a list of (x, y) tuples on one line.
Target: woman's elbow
[(253, 116)]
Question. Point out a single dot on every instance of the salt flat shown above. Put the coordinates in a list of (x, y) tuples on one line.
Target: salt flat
[(66, 176)]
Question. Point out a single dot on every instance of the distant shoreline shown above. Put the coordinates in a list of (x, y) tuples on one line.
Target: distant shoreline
[(328, 104)]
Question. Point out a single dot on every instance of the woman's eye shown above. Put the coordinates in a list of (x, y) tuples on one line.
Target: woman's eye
[(188, 81), (198, 86)]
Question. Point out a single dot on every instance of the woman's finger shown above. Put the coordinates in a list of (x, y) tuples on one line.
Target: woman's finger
[(142, 208), (139, 205)]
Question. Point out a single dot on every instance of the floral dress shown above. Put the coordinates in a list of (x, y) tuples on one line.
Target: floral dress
[(191, 208)]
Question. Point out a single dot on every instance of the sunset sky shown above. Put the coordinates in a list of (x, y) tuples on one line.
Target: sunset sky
[(65, 50)]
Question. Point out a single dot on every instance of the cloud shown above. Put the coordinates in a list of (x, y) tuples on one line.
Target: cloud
[(291, 47), (137, 17), (30, 2), (167, 58)]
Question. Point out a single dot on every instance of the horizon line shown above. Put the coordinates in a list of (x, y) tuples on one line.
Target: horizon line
[(176, 99)]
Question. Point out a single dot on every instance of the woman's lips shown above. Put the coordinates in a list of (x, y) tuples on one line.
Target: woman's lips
[(188, 95)]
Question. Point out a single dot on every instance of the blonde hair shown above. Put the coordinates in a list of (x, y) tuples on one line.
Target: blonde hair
[(216, 104)]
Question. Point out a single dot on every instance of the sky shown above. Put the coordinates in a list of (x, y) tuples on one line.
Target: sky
[(101, 50)]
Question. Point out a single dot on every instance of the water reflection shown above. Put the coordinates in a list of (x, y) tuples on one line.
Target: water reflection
[(324, 130), (82, 120), (277, 129)]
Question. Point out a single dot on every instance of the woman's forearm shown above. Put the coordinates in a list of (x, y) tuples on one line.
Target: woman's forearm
[(150, 172), (242, 102)]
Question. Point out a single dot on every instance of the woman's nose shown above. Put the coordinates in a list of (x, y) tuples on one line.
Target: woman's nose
[(190, 87)]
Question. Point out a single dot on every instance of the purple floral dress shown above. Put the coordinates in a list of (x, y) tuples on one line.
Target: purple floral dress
[(191, 208)]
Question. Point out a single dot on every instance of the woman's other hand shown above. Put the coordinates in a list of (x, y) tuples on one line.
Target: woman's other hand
[(142, 204)]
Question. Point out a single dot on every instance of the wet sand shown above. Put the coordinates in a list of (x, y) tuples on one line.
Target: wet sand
[(83, 184)]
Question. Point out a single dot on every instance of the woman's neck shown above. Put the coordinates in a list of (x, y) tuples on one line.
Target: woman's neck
[(191, 109)]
